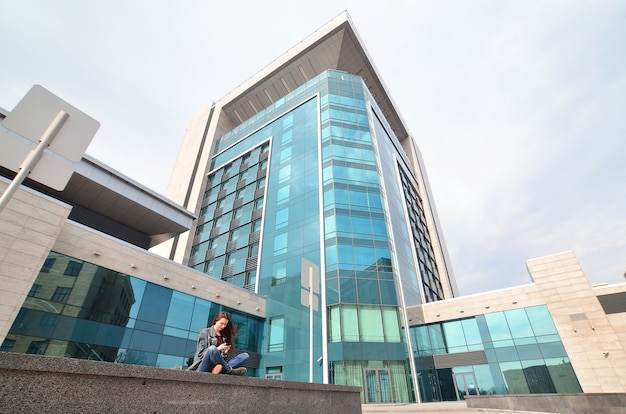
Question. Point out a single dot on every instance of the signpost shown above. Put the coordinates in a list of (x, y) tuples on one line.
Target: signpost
[(49, 135), (309, 296)]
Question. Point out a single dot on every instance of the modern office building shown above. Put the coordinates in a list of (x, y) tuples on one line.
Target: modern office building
[(308, 167), (298, 204)]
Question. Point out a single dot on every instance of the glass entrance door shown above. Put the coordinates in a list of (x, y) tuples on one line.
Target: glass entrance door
[(465, 385), (377, 386)]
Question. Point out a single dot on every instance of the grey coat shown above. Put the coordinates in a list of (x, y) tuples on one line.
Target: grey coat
[(206, 338)]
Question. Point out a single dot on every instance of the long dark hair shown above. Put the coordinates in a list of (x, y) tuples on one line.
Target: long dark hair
[(230, 331)]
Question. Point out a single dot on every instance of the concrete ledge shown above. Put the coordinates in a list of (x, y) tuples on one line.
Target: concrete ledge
[(42, 384), (609, 403)]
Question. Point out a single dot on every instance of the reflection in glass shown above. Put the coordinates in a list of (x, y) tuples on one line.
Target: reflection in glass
[(523, 351), (110, 316)]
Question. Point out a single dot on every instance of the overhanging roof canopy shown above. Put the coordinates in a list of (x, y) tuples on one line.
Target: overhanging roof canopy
[(335, 46)]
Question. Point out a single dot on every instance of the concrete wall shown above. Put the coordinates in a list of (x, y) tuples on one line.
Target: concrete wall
[(41, 384), (594, 347), (94, 247), (29, 226), (609, 403)]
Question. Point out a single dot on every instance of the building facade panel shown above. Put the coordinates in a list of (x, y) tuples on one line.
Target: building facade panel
[(29, 226)]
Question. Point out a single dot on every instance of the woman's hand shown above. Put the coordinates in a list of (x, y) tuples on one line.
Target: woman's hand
[(224, 348)]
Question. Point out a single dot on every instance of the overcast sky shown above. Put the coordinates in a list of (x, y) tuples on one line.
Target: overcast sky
[(519, 107)]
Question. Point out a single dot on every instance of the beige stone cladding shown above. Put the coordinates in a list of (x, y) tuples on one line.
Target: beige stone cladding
[(617, 320), (29, 226), (479, 304), (595, 342), (592, 343), (94, 247)]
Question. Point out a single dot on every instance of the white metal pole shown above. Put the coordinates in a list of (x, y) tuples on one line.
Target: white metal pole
[(311, 297), (34, 156)]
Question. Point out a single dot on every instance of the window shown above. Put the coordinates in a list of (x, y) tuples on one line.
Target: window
[(37, 347), (277, 334), (230, 259), (47, 265), (280, 243), (218, 222), (258, 203), (275, 373), (209, 266), (73, 268), (279, 273), (35, 291), (234, 235), (250, 281), (237, 213), (253, 250), (7, 345), (256, 226), (282, 217), (61, 294), (260, 183)]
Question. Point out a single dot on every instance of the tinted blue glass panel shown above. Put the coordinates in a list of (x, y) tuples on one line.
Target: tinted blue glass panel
[(180, 310), (552, 350), (368, 291), (455, 337), (506, 354), (348, 290), (518, 323), (498, 326), (155, 307), (110, 335), (541, 320), (172, 345), (345, 254), (145, 341), (170, 361), (529, 352)]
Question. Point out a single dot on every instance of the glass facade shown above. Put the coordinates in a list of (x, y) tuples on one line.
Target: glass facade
[(306, 180), (317, 183), (512, 352), (81, 310), (317, 179)]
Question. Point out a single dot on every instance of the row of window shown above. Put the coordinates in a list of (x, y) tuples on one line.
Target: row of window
[(71, 269), (225, 246), (431, 283), (60, 293)]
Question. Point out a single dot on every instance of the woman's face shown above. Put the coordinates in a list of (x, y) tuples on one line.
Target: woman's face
[(220, 324)]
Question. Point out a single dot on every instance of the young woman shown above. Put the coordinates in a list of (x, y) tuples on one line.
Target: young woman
[(214, 344)]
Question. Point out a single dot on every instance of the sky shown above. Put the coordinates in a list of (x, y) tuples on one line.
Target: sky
[(518, 107)]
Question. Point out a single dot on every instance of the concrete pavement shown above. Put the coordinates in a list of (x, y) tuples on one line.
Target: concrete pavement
[(452, 407)]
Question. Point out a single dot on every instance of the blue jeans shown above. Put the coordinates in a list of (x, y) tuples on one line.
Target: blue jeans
[(213, 357)]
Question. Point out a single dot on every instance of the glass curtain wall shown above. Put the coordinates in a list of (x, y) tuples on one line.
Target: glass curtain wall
[(284, 196), (79, 310), (521, 351), (366, 348)]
